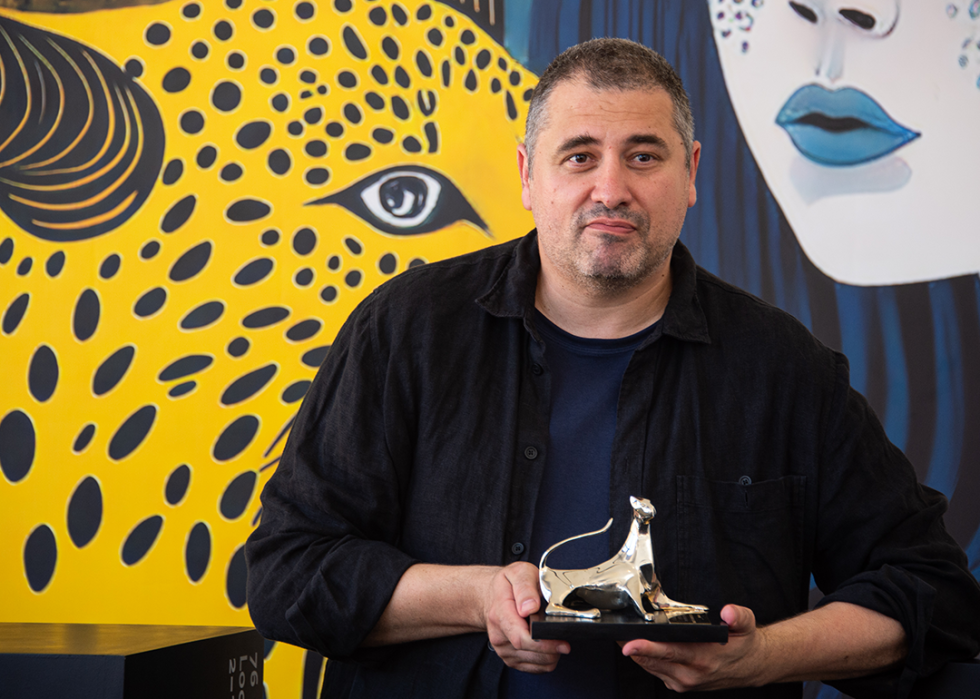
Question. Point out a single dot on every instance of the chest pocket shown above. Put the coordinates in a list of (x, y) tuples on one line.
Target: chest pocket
[(742, 543)]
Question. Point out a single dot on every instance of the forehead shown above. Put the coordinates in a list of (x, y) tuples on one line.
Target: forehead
[(576, 108)]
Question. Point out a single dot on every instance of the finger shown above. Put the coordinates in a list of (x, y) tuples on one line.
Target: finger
[(502, 616), (740, 620), (676, 677), (503, 646), (511, 630), (527, 593), (640, 649), (528, 661), (534, 668), (529, 645), (547, 647), (514, 627), (529, 658)]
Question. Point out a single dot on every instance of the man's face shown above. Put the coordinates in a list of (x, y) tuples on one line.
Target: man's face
[(609, 188)]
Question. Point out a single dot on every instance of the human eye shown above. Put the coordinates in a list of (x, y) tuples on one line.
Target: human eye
[(578, 160), (645, 158), (406, 200)]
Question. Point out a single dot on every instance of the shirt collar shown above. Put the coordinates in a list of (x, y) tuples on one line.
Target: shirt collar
[(511, 295), (684, 317)]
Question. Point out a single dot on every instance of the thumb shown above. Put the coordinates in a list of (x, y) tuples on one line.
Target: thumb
[(740, 620), (527, 596)]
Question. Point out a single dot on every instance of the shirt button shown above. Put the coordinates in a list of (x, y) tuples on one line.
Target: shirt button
[(517, 548), (745, 480), (531, 453), (536, 369)]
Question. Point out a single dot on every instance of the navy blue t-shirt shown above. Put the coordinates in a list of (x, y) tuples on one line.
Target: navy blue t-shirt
[(586, 375)]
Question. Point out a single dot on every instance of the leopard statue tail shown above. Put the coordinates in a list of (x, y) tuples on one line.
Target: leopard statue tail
[(545, 555)]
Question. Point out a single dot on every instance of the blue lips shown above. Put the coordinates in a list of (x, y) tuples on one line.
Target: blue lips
[(840, 127)]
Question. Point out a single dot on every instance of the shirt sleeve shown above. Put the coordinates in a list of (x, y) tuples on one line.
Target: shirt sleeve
[(882, 545), (323, 562)]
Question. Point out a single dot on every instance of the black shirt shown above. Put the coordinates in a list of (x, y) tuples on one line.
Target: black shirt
[(421, 440)]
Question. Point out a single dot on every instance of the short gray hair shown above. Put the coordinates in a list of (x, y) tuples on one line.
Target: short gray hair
[(611, 64)]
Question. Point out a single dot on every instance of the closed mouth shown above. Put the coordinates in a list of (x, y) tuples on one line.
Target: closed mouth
[(612, 225), (840, 127)]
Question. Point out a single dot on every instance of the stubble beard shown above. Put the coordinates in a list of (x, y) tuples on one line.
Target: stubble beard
[(608, 263)]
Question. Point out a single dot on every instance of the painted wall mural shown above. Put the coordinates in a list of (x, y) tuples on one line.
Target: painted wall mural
[(195, 193), (871, 104), (194, 196)]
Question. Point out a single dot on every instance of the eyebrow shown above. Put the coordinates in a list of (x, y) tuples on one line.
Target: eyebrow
[(586, 140), (647, 138), (577, 142)]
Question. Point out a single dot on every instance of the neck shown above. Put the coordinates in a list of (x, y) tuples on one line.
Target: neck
[(602, 313)]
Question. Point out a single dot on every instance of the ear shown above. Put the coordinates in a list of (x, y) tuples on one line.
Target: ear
[(524, 167), (692, 195)]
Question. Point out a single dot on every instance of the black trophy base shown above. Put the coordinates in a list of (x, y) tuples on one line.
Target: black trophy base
[(626, 625)]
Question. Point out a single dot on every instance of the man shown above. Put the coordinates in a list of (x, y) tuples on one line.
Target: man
[(475, 411)]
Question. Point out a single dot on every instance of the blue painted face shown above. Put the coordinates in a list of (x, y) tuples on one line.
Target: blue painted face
[(862, 117)]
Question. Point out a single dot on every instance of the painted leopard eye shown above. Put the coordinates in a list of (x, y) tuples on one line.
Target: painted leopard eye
[(402, 199), (406, 200)]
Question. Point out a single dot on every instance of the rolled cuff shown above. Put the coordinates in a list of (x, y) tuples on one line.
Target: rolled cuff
[(346, 597), (910, 601)]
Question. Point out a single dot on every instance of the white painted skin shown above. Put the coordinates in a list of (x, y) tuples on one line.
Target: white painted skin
[(905, 217)]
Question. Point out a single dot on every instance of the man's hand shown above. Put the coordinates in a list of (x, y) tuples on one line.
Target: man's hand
[(702, 666), (512, 596), (836, 641), (432, 601)]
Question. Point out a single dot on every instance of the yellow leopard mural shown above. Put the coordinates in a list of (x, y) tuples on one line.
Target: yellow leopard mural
[(193, 197)]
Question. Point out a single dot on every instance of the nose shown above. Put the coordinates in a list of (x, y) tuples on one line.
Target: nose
[(841, 20), (611, 185)]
